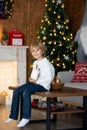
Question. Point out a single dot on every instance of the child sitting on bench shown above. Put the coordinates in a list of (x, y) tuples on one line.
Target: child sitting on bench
[(40, 81)]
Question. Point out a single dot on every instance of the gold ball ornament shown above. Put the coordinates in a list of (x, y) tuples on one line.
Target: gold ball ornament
[(54, 30), (54, 43), (64, 38), (64, 67), (60, 44), (44, 28), (53, 1), (49, 9), (58, 59), (63, 64), (43, 43), (50, 34), (62, 6), (71, 34), (70, 47), (50, 42), (41, 27), (62, 33), (52, 61), (45, 5), (38, 37), (44, 38), (54, 34), (42, 21), (59, 17), (67, 20), (73, 62), (67, 27), (52, 53), (53, 49), (56, 23), (46, 19), (49, 23), (64, 22), (68, 39), (64, 55), (54, 12), (58, 65), (73, 52)]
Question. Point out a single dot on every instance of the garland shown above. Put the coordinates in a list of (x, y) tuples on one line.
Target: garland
[(9, 8)]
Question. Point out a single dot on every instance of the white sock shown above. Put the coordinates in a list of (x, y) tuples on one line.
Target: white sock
[(8, 120), (23, 122)]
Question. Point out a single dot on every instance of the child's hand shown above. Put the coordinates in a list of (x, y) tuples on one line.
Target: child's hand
[(32, 80)]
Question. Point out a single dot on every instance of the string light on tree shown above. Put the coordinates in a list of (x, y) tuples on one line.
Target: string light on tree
[(56, 35), (9, 4)]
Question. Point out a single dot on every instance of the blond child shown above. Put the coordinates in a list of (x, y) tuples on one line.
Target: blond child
[(40, 81)]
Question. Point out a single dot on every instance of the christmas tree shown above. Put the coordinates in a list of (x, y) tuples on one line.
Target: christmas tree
[(55, 33)]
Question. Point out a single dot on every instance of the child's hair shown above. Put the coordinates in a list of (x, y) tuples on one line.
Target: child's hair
[(40, 45)]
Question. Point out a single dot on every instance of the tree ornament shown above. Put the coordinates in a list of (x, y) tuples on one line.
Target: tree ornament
[(73, 62), (54, 12), (50, 34), (49, 42), (62, 5), (54, 34), (59, 26), (42, 21), (49, 9), (54, 30), (45, 5), (59, 17), (66, 57), (55, 43), (67, 20), (56, 23), (58, 59), (44, 38), (53, 1), (42, 32), (59, 1)]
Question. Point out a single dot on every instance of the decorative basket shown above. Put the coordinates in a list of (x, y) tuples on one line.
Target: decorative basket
[(57, 86)]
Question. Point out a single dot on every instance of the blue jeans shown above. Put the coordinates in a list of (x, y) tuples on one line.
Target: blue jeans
[(25, 92)]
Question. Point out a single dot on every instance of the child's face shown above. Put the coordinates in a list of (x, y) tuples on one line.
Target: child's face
[(37, 53)]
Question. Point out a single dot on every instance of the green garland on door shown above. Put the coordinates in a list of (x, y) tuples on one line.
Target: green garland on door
[(9, 8)]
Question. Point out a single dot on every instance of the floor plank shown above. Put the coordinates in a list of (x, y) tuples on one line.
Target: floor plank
[(66, 121)]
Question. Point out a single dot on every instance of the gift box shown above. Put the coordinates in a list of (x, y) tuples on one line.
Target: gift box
[(16, 38)]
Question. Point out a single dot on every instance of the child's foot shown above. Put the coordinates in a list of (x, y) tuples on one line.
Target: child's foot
[(23, 122), (8, 120)]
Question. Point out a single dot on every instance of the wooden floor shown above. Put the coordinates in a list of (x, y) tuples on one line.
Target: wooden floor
[(63, 121)]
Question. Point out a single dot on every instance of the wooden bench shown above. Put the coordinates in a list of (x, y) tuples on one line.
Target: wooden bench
[(64, 93)]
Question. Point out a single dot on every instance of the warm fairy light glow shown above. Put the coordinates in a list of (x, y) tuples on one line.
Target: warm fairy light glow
[(1, 31), (8, 76)]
